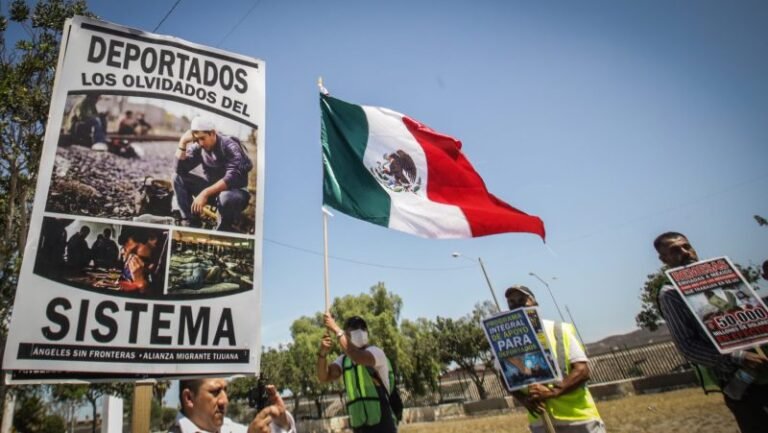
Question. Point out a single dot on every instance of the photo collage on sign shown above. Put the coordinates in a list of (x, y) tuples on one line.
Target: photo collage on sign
[(520, 346), (115, 218)]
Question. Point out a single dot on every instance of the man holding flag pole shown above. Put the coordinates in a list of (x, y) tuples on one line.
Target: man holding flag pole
[(367, 372)]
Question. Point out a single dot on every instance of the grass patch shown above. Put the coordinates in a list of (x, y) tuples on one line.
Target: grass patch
[(681, 411)]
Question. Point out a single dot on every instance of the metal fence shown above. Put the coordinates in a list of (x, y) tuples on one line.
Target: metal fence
[(649, 360), (617, 364)]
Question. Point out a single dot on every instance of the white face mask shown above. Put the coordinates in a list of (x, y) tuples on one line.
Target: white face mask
[(358, 337)]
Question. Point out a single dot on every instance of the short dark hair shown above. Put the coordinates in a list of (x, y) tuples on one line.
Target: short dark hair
[(664, 237), (193, 385), (355, 322)]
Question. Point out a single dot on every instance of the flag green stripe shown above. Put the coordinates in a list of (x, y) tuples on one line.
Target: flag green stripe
[(348, 186)]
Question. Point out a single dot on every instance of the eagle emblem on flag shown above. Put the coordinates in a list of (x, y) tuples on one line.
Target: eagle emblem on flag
[(397, 172)]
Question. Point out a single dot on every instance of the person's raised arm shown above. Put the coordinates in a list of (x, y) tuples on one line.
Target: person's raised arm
[(273, 418), (181, 151), (358, 356), (326, 372)]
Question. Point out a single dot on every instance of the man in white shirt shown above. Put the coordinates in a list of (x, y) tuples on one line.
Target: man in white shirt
[(569, 403), (204, 406)]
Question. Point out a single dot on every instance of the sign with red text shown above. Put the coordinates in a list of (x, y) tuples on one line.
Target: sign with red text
[(723, 302)]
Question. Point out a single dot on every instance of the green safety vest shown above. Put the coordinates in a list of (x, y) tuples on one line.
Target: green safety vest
[(578, 404), (706, 375), (707, 379), (709, 382), (363, 400)]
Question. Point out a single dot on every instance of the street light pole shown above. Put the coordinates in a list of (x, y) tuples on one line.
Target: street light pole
[(488, 280), (577, 328), (533, 274), (485, 273)]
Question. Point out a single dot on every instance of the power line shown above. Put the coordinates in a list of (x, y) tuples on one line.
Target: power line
[(358, 262), (166, 16), (256, 3)]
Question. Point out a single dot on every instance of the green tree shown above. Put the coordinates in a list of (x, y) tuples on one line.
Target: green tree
[(159, 388), (276, 364), (463, 341), (69, 394), (649, 316), (271, 366), (91, 394), (161, 418), (34, 414), (30, 416), (53, 424), (307, 333), (420, 368)]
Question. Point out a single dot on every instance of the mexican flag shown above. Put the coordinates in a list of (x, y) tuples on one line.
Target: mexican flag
[(388, 169)]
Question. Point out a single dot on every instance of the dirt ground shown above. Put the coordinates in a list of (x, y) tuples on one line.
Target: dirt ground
[(682, 411)]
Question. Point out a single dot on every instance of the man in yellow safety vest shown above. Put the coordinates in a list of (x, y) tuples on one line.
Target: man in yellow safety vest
[(569, 403)]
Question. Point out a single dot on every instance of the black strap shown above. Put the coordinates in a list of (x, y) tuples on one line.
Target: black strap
[(384, 395)]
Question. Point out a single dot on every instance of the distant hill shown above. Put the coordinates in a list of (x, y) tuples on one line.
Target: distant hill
[(636, 338)]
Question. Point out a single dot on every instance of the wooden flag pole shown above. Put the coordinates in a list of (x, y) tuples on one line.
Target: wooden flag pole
[(326, 214), (549, 426), (142, 406)]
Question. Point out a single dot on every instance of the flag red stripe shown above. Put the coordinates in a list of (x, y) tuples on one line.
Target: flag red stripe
[(453, 180)]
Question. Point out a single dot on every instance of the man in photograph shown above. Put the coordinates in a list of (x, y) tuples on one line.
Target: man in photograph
[(105, 250), (225, 167), (78, 251), (204, 408), (86, 125), (127, 124)]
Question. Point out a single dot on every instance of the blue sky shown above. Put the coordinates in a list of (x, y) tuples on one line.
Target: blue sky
[(611, 120)]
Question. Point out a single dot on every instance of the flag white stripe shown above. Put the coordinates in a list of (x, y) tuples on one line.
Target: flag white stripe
[(410, 212)]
